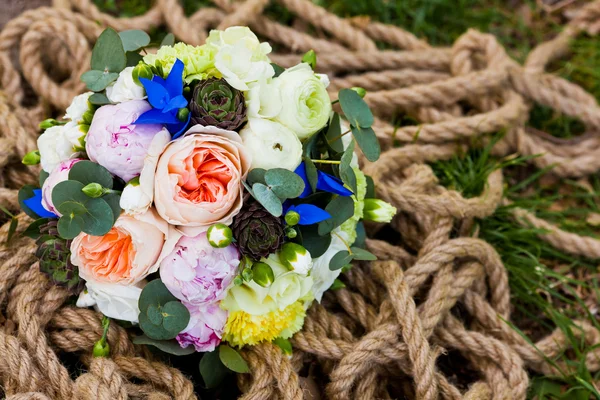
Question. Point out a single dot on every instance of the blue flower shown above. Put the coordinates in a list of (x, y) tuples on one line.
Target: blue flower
[(325, 182), (35, 204), (309, 213), (166, 96)]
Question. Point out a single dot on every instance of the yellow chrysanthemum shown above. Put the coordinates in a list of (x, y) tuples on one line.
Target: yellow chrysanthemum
[(243, 328)]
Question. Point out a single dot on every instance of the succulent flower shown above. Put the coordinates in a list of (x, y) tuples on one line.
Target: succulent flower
[(257, 232), (55, 258), (216, 103)]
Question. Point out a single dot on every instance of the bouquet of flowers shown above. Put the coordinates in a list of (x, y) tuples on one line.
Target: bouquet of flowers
[(203, 194)]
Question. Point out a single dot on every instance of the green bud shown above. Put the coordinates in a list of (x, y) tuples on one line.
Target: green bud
[(93, 190), (32, 158), (141, 71), (186, 90), (238, 281), (290, 232), (296, 258), (219, 235), (49, 123), (182, 114), (361, 91), (310, 58), (292, 218), (263, 274), (377, 210), (337, 284), (101, 349), (135, 181), (247, 274), (86, 118)]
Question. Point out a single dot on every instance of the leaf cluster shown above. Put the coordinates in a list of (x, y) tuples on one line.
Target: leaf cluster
[(162, 317)]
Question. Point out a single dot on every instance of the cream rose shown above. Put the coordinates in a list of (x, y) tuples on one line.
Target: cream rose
[(59, 143), (78, 107), (131, 250), (113, 300), (125, 88), (271, 144), (305, 104), (199, 178)]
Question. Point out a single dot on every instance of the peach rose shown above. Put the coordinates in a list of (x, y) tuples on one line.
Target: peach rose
[(199, 178), (131, 250)]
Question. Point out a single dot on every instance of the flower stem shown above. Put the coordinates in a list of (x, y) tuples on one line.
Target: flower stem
[(326, 161), (339, 137)]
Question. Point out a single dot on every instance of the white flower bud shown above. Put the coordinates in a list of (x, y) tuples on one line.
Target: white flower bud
[(377, 210), (296, 258)]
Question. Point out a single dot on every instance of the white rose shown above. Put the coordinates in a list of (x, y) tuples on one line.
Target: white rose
[(125, 88), (58, 143), (271, 144), (240, 57), (78, 107), (113, 300), (322, 276), (305, 103), (137, 197), (263, 99)]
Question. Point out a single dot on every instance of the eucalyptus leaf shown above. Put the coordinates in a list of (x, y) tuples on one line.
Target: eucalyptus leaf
[(155, 292), (113, 200), (70, 226), (43, 176), (368, 142), (268, 199), (284, 183), (347, 174), (339, 260), (157, 332), (257, 175), (233, 360), (340, 208), (134, 39), (108, 54), (278, 70), (355, 109), (168, 346), (12, 228), (133, 58), (370, 188), (175, 316), (361, 235), (99, 99), (97, 81), (168, 40), (312, 175), (70, 191), (154, 315), (212, 369), (72, 207), (33, 230), (333, 134), (362, 254), (89, 172), (26, 192), (99, 218), (316, 244)]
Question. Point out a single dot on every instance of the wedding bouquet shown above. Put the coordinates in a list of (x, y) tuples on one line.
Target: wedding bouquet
[(202, 193)]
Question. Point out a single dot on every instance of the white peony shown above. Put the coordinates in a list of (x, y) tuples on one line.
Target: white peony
[(271, 144), (59, 143), (137, 196), (322, 276), (78, 107), (125, 88), (241, 58), (263, 99), (305, 103), (113, 300)]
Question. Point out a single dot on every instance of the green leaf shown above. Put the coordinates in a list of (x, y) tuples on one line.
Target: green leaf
[(339, 260), (155, 292), (70, 226), (257, 175), (346, 172), (233, 360), (113, 200), (362, 254), (14, 223), (368, 142), (337, 285), (68, 191), (168, 40), (33, 230), (89, 172), (168, 346), (99, 99), (278, 70), (133, 58), (71, 207), (284, 344), (97, 81), (99, 218), (284, 183), (316, 244), (361, 235), (333, 134), (355, 109), (108, 54), (370, 188), (43, 176), (312, 175), (156, 332), (268, 199), (175, 316), (212, 369), (26, 192), (340, 208), (154, 315), (134, 39)]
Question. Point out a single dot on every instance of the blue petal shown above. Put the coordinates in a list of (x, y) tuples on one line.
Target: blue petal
[(301, 172), (175, 104), (159, 80), (35, 204), (174, 84), (178, 128), (158, 96), (310, 214), (156, 116), (331, 184)]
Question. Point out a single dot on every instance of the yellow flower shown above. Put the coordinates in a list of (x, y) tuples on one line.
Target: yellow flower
[(246, 329)]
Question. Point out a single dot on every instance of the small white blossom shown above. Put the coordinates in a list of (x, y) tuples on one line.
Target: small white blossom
[(125, 88)]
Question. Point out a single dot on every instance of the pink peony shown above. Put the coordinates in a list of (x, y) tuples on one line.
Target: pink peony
[(59, 174), (205, 328), (117, 144), (197, 273)]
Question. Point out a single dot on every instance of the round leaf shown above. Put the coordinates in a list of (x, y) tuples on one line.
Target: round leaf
[(340, 208), (362, 254), (316, 244), (339, 260), (154, 315), (257, 175), (284, 183), (212, 369), (108, 53), (168, 346), (333, 135), (268, 199), (155, 292), (99, 218), (88, 172), (70, 226), (97, 81), (134, 39), (156, 332), (355, 109), (233, 360), (175, 316), (69, 191), (368, 142), (99, 99), (113, 200)]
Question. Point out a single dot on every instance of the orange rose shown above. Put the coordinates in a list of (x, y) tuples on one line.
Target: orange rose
[(198, 179), (131, 250)]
